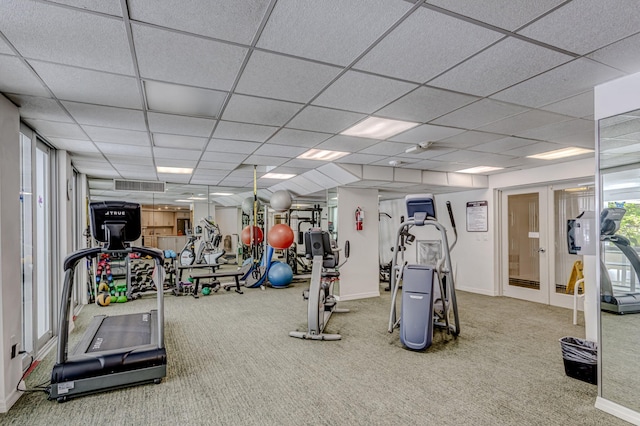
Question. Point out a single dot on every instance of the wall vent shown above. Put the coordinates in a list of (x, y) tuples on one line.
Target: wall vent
[(138, 186)]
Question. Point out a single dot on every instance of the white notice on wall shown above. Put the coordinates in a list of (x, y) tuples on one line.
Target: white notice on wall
[(534, 235), (477, 216)]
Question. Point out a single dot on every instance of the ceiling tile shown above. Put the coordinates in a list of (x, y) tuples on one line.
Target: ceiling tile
[(534, 148), (183, 100), (604, 22), (73, 145), (517, 60), (479, 113), (40, 108), (228, 20), (443, 41), (225, 145), (471, 138), (386, 148), (576, 106), (174, 162), (283, 77), (177, 124), (424, 104), (504, 144), (92, 87), (171, 177), (55, 129), (355, 91), (124, 150), (243, 131), (304, 164), (584, 138), (176, 153), (123, 167), (18, 78), (555, 131), (145, 160), (562, 82), (263, 160), (110, 7), (360, 158), (249, 109), (67, 36), (426, 132), (164, 140), (137, 174), (279, 150), (105, 134), (617, 54), (324, 119), (217, 165), (5, 48), (298, 138), (223, 157), (104, 116), (524, 121), (509, 15), (314, 29), (347, 143), (183, 59)]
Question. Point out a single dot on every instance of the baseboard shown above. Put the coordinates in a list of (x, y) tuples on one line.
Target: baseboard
[(9, 401), (357, 296), (617, 410), (476, 290)]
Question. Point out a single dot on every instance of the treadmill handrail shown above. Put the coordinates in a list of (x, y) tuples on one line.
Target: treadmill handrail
[(629, 252), (70, 263)]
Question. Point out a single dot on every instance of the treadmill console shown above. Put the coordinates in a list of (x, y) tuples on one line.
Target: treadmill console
[(423, 204), (115, 223), (610, 219)]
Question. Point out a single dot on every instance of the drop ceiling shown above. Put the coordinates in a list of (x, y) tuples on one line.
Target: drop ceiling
[(128, 85)]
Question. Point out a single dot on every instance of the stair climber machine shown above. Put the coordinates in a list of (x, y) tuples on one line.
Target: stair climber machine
[(324, 274), (203, 247), (627, 302), (115, 351), (428, 292)]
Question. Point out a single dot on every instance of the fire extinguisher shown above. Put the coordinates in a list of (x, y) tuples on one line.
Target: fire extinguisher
[(359, 219)]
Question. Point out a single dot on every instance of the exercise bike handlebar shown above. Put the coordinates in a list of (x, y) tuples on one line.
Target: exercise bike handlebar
[(453, 225)]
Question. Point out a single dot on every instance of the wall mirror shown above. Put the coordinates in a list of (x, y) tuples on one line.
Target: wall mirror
[(619, 164)]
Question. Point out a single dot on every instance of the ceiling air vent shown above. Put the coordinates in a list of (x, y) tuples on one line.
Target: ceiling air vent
[(137, 186)]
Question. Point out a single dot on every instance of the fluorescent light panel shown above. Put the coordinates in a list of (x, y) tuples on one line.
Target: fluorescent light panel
[(480, 169), (221, 193), (378, 128), (178, 170), (322, 155), (277, 176), (560, 153)]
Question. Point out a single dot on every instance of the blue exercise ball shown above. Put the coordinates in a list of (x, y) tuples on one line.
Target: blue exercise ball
[(280, 274)]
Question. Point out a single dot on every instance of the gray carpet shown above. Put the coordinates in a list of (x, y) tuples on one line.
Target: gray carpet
[(231, 362)]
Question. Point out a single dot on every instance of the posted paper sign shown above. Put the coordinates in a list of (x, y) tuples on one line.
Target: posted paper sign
[(477, 216)]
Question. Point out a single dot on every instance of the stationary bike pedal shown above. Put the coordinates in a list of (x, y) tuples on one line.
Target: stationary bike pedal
[(305, 294)]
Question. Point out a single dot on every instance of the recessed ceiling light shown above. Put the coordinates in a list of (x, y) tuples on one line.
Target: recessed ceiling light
[(277, 176), (480, 169), (560, 153), (198, 198), (221, 193), (322, 155), (378, 128), (179, 170), (183, 201)]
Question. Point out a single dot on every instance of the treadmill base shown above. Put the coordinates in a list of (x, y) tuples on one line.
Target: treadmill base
[(64, 391)]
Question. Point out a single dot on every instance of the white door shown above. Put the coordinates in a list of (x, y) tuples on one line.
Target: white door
[(525, 265)]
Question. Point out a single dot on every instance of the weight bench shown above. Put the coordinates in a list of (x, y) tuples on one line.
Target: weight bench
[(184, 288), (215, 285)]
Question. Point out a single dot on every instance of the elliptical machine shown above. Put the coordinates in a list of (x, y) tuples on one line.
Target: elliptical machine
[(324, 274), (428, 293), (203, 248)]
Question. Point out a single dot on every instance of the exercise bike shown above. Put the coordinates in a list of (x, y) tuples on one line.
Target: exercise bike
[(324, 274), (203, 247)]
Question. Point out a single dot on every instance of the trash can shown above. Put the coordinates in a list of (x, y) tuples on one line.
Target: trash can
[(580, 359)]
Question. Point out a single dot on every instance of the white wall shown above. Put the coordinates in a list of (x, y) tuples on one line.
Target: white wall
[(10, 279), (359, 276), (228, 219)]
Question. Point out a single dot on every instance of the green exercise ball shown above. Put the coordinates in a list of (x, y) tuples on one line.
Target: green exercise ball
[(206, 291)]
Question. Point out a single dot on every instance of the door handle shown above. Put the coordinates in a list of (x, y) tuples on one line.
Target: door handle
[(541, 250)]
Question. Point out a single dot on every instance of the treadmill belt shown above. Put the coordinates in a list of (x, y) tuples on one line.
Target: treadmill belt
[(122, 331)]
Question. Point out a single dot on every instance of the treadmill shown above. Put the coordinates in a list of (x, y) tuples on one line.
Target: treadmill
[(619, 303), (115, 351)]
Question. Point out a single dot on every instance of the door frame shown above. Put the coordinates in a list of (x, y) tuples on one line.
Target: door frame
[(542, 294)]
